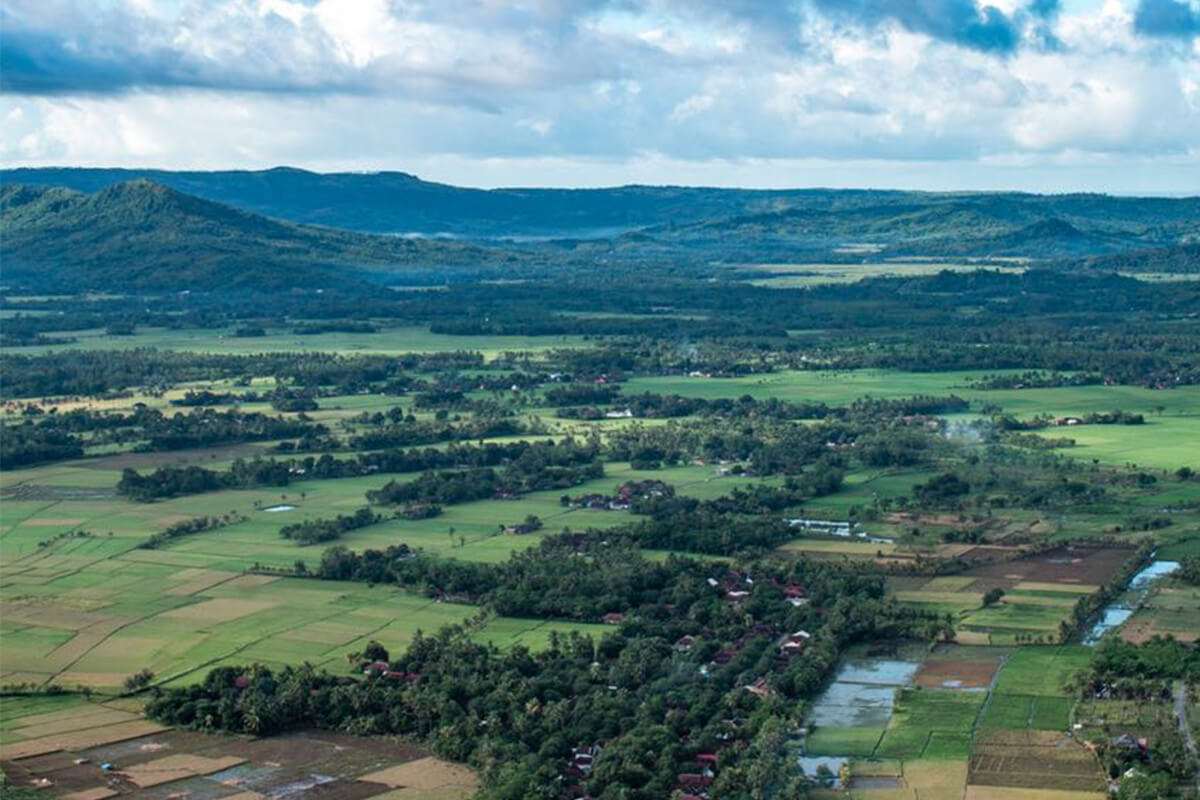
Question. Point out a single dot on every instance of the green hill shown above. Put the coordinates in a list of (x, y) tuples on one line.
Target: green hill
[(144, 235)]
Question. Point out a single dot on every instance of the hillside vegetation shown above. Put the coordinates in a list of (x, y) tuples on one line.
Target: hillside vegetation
[(141, 234)]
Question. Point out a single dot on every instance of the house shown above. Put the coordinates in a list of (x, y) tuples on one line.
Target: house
[(1129, 742), (793, 643), (694, 780), (376, 666), (1068, 421), (613, 618), (615, 414), (723, 656), (708, 760), (684, 643), (759, 688), (736, 595)]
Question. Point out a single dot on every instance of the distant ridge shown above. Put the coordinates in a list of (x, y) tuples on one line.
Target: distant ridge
[(398, 202)]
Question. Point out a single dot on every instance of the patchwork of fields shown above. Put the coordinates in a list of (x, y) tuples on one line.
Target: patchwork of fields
[(59, 746), (1003, 712), (985, 718)]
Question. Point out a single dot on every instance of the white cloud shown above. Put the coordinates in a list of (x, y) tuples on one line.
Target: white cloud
[(727, 87)]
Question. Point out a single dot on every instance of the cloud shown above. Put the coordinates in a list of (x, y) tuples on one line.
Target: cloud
[(449, 51), (1167, 18), (362, 83), (962, 22)]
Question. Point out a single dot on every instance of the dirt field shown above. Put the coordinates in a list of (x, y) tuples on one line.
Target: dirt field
[(1007, 793), (427, 775), (1074, 565), (186, 764), (956, 673)]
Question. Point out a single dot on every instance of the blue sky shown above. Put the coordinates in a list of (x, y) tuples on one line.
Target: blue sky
[(1046, 95)]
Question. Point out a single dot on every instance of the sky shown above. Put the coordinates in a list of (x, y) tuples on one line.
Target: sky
[(1040, 95)]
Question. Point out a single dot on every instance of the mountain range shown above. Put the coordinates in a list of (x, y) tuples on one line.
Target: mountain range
[(93, 233)]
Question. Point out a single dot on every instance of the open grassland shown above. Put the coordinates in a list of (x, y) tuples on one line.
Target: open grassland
[(387, 341), (45, 502), (790, 276)]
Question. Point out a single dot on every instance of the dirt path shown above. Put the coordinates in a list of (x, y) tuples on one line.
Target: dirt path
[(1185, 729)]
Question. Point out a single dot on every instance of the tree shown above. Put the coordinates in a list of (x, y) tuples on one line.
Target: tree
[(374, 651), (139, 680), (992, 596), (1189, 569)]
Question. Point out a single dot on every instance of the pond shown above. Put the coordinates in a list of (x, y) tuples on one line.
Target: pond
[(862, 694)]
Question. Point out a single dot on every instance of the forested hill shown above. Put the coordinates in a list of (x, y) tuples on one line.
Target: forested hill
[(143, 235)]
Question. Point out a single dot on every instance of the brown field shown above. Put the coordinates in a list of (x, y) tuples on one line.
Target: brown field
[(178, 767), (78, 740), (186, 764), (1074, 565), (927, 780), (74, 719), (218, 609), (956, 673), (99, 793), (1008, 793), (1029, 759), (427, 774)]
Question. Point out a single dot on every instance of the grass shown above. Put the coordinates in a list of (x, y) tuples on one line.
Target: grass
[(931, 723), (388, 341), (842, 741), (788, 276), (1041, 670)]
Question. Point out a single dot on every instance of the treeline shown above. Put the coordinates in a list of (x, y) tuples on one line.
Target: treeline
[(24, 445), (69, 372), (188, 527), (316, 531), (411, 432), (50, 437), (538, 467), (528, 463)]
